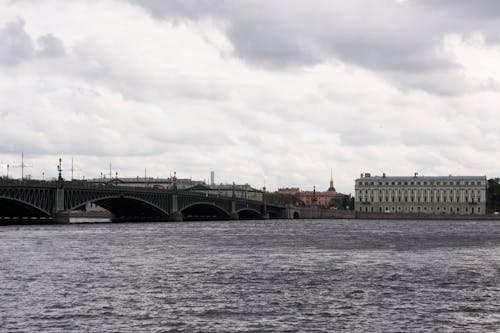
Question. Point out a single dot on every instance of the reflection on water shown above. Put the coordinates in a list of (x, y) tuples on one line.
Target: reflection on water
[(252, 276), (89, 220)]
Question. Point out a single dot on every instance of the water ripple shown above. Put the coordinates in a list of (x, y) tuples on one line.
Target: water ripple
[(252, 276)]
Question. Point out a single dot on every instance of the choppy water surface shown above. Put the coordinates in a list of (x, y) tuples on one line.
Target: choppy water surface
[(252, 276)]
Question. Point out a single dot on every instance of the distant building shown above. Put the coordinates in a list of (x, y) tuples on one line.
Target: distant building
[(160, 183), (289, 190), (228, 190), (328, 199), (92, 207), (428, 195)]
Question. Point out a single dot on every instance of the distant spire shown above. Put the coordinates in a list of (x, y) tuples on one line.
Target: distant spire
[(331, 188)]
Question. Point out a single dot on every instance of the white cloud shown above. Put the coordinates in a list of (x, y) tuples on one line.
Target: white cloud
[(107, 83)]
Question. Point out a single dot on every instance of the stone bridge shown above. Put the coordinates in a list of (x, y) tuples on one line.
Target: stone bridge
[(53, 201)]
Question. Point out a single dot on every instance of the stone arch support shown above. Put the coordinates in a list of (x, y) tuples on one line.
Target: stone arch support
[(249, 214), (204, 211), (121, 206), (13, 207)]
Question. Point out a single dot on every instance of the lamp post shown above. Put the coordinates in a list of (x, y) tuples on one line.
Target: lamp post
[(59, 170)]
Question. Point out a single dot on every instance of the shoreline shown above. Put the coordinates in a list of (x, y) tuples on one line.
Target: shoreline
[(364, 216), (395, 216)]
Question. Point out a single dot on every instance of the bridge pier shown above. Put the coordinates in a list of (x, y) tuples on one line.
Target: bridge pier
[(176, 217), (234, 214), (60, 218), (58, 214), (265, 214)]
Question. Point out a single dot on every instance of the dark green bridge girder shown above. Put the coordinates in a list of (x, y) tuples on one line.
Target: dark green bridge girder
[(51, 200)]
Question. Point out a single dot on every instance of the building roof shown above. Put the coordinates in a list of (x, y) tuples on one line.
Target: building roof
[(420, 178), (223, 187)]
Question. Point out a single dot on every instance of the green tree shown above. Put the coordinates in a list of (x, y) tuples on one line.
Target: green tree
[(493, 195), (283, 199), (335, 203)]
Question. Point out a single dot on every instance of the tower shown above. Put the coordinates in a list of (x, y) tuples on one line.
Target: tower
[(331, 188)]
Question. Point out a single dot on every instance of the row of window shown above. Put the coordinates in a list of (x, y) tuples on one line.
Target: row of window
[(421, 195), (451, 210), (418, 192), (419, 199), (422, 183)]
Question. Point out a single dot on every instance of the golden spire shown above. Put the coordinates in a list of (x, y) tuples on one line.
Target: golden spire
[(331, 188)]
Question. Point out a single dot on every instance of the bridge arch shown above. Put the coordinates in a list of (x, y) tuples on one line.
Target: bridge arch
[(204, 211), (121, 206), (249, 214), (12, 207)]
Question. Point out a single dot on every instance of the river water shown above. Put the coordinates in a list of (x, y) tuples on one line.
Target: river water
[(252, 276)]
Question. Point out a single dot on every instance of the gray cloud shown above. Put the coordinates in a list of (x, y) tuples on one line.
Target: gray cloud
[(50, 46), (17, 45), (483, 9), (181, 8), (305, 33), (388, 36)]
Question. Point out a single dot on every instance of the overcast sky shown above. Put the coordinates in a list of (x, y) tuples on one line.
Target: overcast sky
[(273, 93)]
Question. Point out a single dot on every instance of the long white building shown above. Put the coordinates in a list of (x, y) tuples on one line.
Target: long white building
[(428, 195)]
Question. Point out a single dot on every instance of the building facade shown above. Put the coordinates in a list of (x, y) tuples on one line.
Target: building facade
[(328, 198), (320, 198), (325, 199), (289, 190), (462, 195)]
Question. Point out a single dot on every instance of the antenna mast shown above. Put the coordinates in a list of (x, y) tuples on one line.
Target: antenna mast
[(73, 169), (22, 166)]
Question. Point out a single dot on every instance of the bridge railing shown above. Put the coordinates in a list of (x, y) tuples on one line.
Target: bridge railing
[(26, 182), (215, 195)]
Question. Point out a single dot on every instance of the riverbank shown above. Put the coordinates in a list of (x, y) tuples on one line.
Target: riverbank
[(416, 216)]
